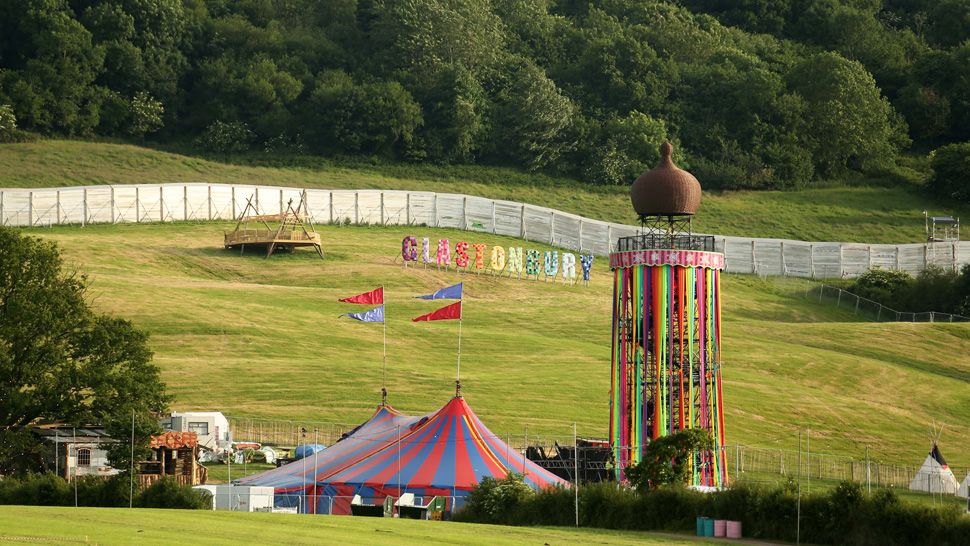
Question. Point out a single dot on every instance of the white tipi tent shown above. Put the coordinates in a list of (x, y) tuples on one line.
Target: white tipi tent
[(935, 475), (964, 490)]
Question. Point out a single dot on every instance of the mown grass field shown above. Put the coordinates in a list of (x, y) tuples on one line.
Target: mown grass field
[(108, 526), (852, 214), (256, 337)]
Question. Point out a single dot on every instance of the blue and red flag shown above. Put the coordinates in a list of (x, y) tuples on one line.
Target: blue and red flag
[(448, 293), (374, 315)]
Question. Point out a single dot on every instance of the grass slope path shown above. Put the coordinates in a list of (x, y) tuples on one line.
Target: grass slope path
[(145, 527), (868, 214), (258, 337)]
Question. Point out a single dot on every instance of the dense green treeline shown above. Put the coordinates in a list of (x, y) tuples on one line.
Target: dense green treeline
[(758, 94)]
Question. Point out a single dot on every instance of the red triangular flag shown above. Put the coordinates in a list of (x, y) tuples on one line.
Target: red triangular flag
[(448, 312), (374, 297)]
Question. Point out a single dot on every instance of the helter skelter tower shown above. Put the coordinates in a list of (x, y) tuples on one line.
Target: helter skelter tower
[(666, 373)]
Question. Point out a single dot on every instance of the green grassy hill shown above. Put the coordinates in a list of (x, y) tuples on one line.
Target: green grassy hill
[(106, 526), (258, 337), (852, 214)]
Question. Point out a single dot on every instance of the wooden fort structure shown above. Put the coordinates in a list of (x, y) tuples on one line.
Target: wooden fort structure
[(293, 229), (176, 455)]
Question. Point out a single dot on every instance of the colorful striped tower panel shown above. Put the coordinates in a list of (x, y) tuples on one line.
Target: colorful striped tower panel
[(666, 373)]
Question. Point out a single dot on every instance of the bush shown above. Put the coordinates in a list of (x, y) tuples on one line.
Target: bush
[(666, 459), (950, 165), (882, 285), (167, 493), (497, 500), (227, 138), (51, 490), (844, 515), (146, 114), (8, 122), (934, 289), (36, 489), (8, 127)]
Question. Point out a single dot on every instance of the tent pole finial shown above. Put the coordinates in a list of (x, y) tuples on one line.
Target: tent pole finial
[(383, 397), (458, 388)]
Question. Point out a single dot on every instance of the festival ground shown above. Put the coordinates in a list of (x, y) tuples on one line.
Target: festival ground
[(110, 526), (261, 338)]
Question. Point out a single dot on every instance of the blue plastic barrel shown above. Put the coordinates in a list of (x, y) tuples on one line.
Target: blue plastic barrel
[(700, 525), (708, 527)]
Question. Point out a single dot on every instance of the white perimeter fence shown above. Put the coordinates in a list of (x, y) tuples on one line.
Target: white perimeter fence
[(200, 201)]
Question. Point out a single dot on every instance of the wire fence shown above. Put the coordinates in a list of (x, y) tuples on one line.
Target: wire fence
[(874, 310), (285, 432), (205, 202), (556, 453), (313, 500)]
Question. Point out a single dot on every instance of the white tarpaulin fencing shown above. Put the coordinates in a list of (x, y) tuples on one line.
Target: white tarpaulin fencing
[(199, 201)]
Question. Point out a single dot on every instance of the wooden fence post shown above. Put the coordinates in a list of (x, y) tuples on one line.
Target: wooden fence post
[(783, 268), (580, 234), (552, 227), (754, 264), (493, 217), (811, 258)]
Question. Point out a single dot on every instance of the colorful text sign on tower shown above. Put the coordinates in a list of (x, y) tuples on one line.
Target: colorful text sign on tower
[(666, 373)]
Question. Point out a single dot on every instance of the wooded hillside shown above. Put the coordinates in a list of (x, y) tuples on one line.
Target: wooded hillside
[(761, 94)]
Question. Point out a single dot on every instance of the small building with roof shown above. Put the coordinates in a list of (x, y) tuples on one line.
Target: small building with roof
[(78, 451)]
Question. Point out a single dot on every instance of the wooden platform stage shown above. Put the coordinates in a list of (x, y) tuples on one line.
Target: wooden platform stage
[(271, 239)]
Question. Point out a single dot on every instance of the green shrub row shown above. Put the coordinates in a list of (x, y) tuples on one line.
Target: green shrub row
[(844, 515), (934, 289), (50, 490)]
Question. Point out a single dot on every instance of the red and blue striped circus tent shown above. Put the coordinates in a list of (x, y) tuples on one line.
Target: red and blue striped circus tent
[(293, 480), (445, 453)]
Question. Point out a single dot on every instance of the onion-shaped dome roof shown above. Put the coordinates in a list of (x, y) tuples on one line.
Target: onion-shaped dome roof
[(666, 190)]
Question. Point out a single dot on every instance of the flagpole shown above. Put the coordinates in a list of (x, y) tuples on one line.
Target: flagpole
[(458, 380), (384, 364)]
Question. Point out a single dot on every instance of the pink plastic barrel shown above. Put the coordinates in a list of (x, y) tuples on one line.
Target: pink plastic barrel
[(720, 526), (734, 529)]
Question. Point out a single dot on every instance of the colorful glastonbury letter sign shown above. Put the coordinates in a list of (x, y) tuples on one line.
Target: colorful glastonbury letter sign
[(512, 260)]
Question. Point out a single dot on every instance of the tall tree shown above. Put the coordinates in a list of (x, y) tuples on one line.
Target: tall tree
[(61, 361), (850, 123)]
